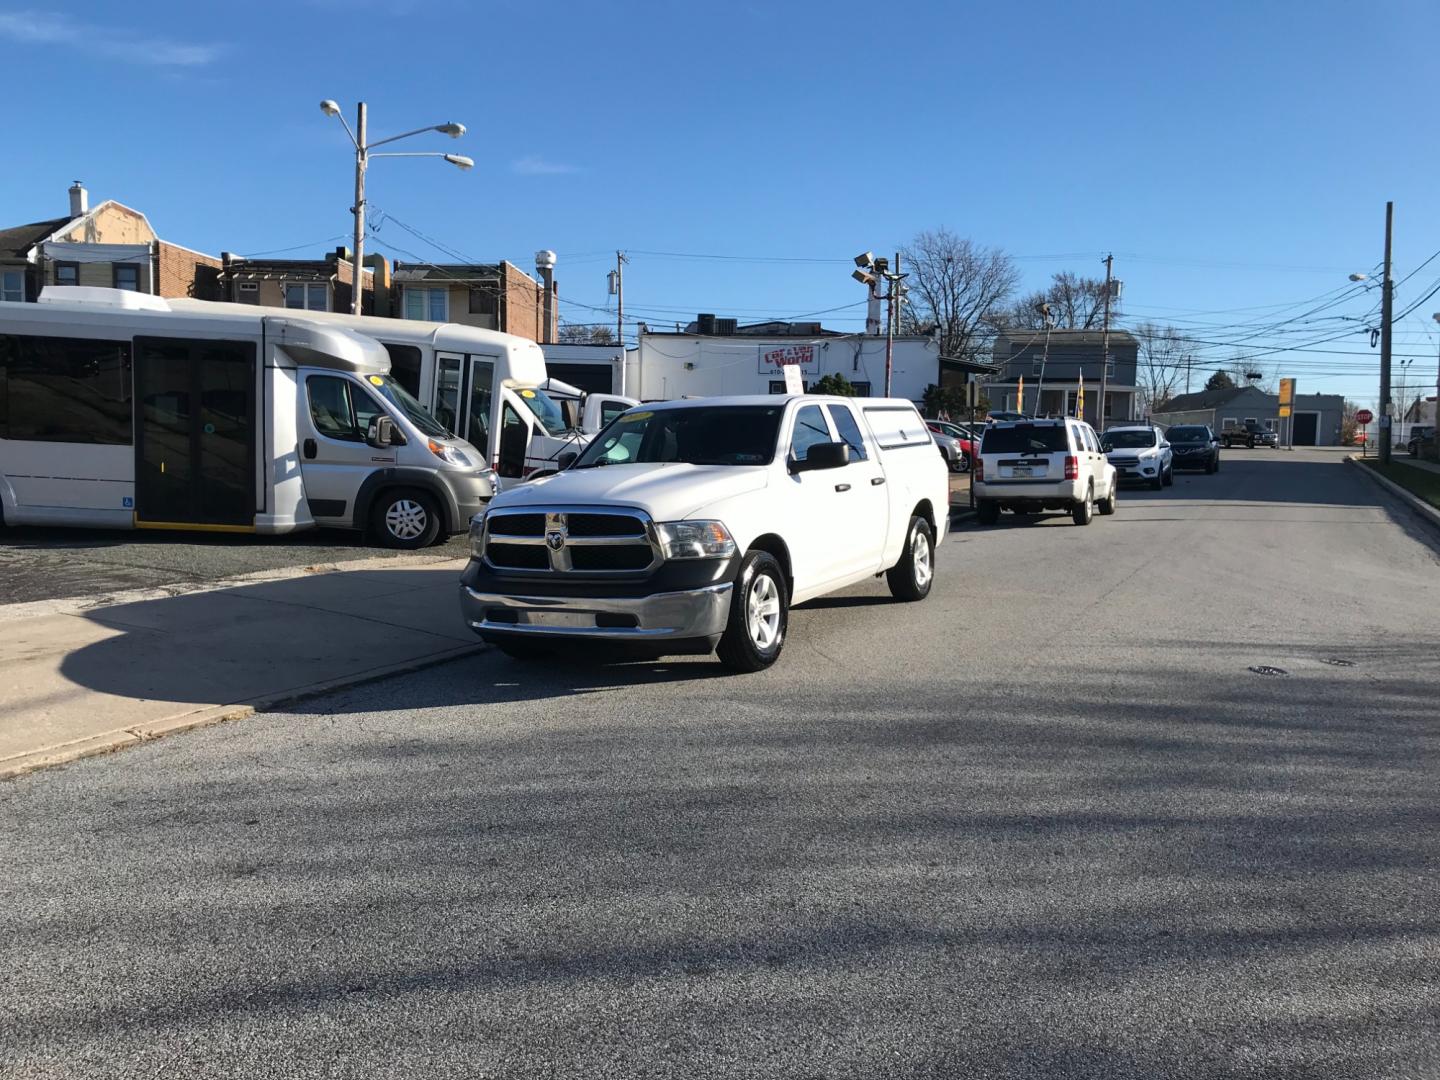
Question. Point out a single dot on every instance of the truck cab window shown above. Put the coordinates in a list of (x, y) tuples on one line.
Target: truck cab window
[(330, 408), (810, 429), (844, 421)]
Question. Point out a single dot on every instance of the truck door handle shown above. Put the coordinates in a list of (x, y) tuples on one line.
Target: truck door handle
[(876, 481), (842, 487), (310, 448)]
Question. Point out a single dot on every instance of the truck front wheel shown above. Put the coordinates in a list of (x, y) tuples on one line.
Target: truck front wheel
[(405, 518), (759, 615), (912, 576)]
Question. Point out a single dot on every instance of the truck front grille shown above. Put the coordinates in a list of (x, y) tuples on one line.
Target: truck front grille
[(561, 540)]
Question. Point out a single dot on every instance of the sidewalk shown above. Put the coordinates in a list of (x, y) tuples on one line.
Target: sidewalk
[(86, 682)]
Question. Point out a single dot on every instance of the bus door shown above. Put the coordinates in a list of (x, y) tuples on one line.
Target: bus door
[(477, 413), (195, 425)]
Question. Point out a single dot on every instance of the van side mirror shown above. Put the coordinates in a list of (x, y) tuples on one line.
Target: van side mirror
[(381, 432), (830, 455), (565, 460)]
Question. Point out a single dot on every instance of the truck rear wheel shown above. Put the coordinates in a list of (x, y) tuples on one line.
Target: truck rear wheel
[(912, 576), (1084, 510), (405, 518), (759, 615)]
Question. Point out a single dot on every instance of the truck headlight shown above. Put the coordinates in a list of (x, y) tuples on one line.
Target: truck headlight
[(452, 454), (477, 535), (695, 540)]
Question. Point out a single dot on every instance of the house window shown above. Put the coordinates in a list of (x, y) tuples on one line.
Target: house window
[(127, 277), (1227, 422), (427, 303), (312, 296), (248, 292), (1272, 424), (67, 273), (482, 300), (1037, 363), (12, 285)]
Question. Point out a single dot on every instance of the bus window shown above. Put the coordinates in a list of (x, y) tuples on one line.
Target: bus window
[(447, 393), (514, 438), (482, 396), (56, 389), (405, 366)]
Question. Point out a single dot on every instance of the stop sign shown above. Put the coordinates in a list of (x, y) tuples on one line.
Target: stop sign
[(1364, 416)]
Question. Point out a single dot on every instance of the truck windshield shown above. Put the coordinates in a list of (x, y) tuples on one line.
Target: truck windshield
[(398, 396), (726, 435), (545, 410)]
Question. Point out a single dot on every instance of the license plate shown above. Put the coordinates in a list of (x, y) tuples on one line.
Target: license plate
[(560, 618), (1020, 470)]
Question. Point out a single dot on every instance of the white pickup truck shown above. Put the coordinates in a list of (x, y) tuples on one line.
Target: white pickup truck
[(692, 526)]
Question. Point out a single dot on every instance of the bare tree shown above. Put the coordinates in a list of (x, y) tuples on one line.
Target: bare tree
[(586, 334), (1076, 303), (1161, 362), (958, 288)]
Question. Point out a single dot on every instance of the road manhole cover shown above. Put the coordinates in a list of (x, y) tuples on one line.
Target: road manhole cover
[(1335, 661), (1267, 669)]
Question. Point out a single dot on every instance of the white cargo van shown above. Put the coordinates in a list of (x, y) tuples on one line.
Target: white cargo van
[(487, 387), (119, 410)]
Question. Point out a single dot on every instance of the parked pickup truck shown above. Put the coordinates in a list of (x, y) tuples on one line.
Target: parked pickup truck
[(1250, 434), (693, 526)]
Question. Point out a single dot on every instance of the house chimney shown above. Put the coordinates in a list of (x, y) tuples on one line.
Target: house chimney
[(79, 200), (545, 265)]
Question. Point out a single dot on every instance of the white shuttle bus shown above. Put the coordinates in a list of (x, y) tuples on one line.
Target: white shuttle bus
[(489, 388), (119, 410)]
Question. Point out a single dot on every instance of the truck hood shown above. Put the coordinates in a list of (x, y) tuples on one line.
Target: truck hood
[(668, 491)]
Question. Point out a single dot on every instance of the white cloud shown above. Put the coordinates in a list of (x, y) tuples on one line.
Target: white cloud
[(530, 165), (44, 28)]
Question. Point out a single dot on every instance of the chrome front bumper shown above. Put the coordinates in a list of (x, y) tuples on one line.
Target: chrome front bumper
[(697, 613)]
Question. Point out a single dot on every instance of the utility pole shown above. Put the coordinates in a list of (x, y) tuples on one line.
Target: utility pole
[(892, 316), (1188, 359), (1386, 300), (620, 261), (1105, 345), (362, 160)]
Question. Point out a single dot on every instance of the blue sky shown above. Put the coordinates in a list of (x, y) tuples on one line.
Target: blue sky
[(1232, 155)]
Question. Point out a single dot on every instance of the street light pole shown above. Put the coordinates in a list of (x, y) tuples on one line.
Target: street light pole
[(357, 280), (361, 141)]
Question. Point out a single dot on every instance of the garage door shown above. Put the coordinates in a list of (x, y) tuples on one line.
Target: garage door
[(1307, 428)]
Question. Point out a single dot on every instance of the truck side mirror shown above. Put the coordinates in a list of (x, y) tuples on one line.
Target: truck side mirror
[(831, 455), (381, 432)]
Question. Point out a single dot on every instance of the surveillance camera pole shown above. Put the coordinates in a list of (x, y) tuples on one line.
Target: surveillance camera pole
[(357, 275), (1105, 344)]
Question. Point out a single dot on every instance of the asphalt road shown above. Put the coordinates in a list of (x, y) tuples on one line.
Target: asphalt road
[(1048, 823), (50, 564)]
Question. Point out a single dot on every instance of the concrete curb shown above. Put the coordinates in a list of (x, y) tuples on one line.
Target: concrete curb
[(1423, 510), (107, 742)]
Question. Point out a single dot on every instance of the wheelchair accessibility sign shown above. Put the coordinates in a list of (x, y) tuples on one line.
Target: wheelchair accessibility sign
[(128, 502)]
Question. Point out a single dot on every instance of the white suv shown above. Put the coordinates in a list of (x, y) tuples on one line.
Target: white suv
[(1026, 466), (1140, 452)]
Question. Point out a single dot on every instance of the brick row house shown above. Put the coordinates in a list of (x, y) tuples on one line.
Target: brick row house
[(114, 246)]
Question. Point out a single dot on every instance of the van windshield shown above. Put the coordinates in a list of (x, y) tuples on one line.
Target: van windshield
[(545, 409), (1025, 439), (729, 435), (398, 396)]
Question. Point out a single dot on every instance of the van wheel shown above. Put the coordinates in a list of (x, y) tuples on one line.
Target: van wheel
[(1084, 511), (759, 615), (987, 511), (912, 576), (405, 518)]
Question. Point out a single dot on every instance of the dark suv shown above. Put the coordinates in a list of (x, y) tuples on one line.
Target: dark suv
[(1194, 446), (1420, 434)]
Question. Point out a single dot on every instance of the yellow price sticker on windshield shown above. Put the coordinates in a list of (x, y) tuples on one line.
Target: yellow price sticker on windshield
[(527, 393), (376, 380), (630, 418)]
